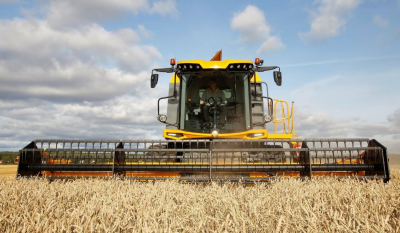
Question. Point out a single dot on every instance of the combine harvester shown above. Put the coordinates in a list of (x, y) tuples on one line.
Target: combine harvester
[(223, 138)]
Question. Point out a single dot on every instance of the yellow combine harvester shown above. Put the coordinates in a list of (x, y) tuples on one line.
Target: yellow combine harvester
[(216, 122)]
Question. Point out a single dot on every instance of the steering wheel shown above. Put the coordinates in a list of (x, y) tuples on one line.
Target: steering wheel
[(217, 100)]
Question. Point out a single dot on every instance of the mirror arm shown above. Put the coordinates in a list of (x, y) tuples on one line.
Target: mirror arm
[(266, 68), (165, 70)]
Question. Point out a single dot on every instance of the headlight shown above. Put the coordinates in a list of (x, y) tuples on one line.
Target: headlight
[(267, 118), (162, 118), (177, 135), (214, 133), (255, 135)]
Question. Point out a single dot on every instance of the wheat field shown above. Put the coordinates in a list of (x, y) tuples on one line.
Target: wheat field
[(8, 172), (287, 205)]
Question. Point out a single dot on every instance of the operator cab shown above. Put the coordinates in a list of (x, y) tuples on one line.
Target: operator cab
[(233, 85), (237, 109)]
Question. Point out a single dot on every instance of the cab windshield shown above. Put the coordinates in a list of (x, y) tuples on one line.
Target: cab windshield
[(225, 107)]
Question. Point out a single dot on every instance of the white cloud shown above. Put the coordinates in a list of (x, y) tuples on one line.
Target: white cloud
[(62, 81), (316, 124), (144, 32), (271, 44), (76, 82), (125, 117), (69, 13), (394, 118), (70, 65), (380, 22), (165, 7), (74, 13), (328, 19), (251, 23), (253, 28)]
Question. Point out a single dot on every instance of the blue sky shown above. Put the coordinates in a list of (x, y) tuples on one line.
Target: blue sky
[(80, 69)]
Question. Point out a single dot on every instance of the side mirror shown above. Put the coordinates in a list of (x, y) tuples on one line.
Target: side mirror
[(154, 80), (278, 78)]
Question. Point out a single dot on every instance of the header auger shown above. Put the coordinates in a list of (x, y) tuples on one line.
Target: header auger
[(215, 129)]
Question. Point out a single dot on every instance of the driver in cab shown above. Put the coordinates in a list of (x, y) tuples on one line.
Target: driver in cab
[(211, 95)]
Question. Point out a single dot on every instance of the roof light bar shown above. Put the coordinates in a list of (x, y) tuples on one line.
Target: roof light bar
[(239, 67), (189, 67)]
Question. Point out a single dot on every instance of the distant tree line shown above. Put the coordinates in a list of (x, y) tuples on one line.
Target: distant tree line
[(8, 156)]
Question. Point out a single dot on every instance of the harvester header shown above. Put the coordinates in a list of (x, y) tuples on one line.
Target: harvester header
[(215, 128)]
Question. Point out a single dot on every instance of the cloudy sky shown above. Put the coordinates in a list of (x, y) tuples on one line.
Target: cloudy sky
[(81, 69)]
